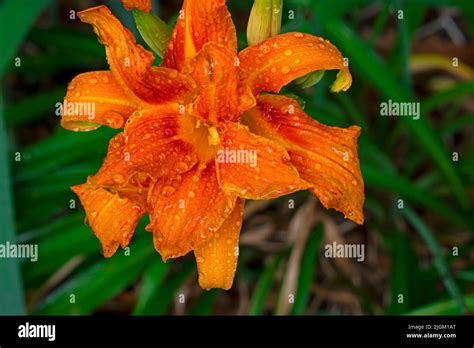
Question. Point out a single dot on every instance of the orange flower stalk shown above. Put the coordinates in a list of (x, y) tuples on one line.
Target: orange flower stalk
[(180, 118)]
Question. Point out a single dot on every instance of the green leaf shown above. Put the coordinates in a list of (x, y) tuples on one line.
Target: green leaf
[(376, 178), (34, 107), (151, 283), (310, 79), (98, 283), (11, 290), (16, 18), (406, 277), (448, 307), (309, 263), (459, 90), (264, 285), (205, 302), (439, 261), (153, 29), (57, 249), (161, 297)]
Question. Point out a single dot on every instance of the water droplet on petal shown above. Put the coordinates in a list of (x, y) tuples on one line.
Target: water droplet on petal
[(93, 81), (118, 178), (168, 191), (288, 53), (181, 167), (285, 69)]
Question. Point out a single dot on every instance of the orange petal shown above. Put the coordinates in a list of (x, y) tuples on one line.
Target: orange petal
[(199, 22), (186, 210), (112, 218), (279, 60), (117, 175), (324, 156), (149, 148), (94, 99), (217, 78), (217, 258), (131, 63), (254, 167), (144, 5)]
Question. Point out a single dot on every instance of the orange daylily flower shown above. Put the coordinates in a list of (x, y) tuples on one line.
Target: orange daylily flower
[(178, 119)]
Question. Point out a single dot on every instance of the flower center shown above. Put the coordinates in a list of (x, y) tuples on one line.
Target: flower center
[(205, 138)]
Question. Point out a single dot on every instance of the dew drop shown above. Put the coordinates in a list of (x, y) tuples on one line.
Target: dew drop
[(181, 167), (93, 81), (118, 178), (288, 53), (285, 69), (168, 191)]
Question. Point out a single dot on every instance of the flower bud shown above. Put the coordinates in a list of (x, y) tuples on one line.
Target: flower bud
[(264, 21)]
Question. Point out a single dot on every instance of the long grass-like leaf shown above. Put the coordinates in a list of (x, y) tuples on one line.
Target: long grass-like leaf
[(309, 263), (84, 292), (16, 23), (11, 290), (439, 261)]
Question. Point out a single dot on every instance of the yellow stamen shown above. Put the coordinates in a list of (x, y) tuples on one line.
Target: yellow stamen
[(213, 137)]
